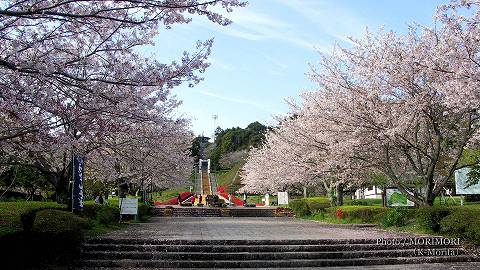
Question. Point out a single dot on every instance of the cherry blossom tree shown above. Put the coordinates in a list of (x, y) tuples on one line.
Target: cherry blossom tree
[(395, 103), (296, 153), (71, 77), (131, 155), (402, 105), (276, 165)]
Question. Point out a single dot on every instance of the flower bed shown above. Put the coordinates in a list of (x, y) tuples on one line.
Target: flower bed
[(283, 212), (221, 191), (174, 201)]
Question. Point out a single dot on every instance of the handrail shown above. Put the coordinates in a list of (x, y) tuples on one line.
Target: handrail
[(213, 183), (201, 181)]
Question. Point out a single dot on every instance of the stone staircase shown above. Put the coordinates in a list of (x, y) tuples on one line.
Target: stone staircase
[(214, 212), (206, 188), (126, 253), (251, 212), (188, 212)]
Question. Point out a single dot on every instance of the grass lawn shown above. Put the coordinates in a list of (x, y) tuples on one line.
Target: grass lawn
[(448, 201), (167, 194), (258, 199), (332, 220), (226, 177), (10, 213), (113, 200), (98, 228), (447, 220)]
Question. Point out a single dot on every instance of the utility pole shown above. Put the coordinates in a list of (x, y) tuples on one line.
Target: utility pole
[(214, 117)]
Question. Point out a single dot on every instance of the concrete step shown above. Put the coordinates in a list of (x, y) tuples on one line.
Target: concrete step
[(123, 263), (246, 248), (207, 212), (189, 212), (423, 266), (420, 241), (266, 256), (158, 253)]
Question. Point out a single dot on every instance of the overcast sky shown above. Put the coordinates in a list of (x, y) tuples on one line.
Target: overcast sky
[(262, 58)]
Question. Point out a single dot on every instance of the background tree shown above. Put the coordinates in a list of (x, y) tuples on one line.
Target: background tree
[(405, 106), (24, 180), (233, 140), (71, 79)]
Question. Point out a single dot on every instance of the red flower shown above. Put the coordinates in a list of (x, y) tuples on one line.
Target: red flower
[(339, 213)]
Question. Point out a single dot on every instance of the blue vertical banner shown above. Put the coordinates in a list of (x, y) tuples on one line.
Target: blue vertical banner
[(77, 189)]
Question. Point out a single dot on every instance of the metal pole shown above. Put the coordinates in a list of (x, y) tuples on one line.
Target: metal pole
[(72, 183)]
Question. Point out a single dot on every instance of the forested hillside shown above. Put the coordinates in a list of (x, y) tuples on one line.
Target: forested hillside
[(230, 145)]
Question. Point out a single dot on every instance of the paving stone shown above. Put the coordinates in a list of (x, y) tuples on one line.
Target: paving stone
[(246, 228), (258, 242)]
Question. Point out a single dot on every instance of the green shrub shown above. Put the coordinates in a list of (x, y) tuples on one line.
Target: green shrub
[(57, 235), (300, 207), (365, 202), (29, 211), (57, 221), (144, 211), (317, 204), (316, 207), (104, 214), (429, 217), (397, 217), (107, 214), (28, 219), (462, 223), (364, 214), (90, 211), (472, 198)]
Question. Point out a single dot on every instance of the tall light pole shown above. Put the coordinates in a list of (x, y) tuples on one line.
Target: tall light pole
[(214, 117)]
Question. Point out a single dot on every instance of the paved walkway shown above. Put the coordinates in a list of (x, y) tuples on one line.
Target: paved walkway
[(248, 228), (251, 228), (430, 266)]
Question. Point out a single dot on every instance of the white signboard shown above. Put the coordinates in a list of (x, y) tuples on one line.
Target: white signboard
[(128, 206), (396, 198), (282, 197), (461, 183)]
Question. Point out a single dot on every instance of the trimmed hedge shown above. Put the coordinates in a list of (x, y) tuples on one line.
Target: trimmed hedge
[(55, 237), (104, 214), (107, 214), (456, 221), (62, 230), (429, 217), (365, 202), (90, 211), (317, 204), (364, 214), (57, 222), (299, 207), (397, 217), (464, 223), (52, 236), (307, 206), (144, 212)]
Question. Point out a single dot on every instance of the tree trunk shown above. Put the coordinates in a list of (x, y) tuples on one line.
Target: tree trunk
[(384, 196), (430, 199), (331, 196), (60, 183), (329, 191), (31, 193), (339, 191)]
